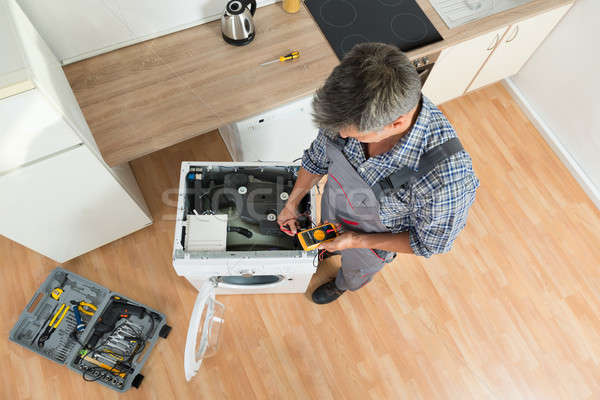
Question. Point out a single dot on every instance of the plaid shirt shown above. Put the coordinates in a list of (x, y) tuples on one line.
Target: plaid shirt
[(434, 209)]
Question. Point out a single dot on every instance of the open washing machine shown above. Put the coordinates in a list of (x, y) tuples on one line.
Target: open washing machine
[(227, 233), (227, 241)]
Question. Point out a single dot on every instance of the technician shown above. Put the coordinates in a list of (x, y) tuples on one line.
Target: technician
[(398, 181)]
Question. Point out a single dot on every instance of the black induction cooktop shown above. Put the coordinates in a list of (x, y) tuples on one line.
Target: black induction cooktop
[(346, 23)]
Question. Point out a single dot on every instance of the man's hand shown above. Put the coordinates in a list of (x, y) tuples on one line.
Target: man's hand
[(347, 240), (287, 219)]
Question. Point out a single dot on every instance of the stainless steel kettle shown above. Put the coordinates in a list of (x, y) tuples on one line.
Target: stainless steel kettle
[(237, 25)]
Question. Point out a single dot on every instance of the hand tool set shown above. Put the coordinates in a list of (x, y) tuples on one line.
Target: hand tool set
[(100, 334)]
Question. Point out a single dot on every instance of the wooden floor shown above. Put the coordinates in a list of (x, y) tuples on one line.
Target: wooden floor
[(512, 312)]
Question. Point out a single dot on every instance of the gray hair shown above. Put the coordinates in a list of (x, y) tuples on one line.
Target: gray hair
[(374, 84)]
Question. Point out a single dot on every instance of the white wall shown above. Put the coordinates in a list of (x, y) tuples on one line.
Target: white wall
[(561, 86), (78, 29)]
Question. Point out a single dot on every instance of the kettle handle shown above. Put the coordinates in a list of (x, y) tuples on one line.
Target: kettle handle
[(252, 4)]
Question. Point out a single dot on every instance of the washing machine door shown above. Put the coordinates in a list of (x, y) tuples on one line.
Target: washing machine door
[(204, 329)]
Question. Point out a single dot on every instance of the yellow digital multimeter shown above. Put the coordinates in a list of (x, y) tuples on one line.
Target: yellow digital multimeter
[(310, 239)]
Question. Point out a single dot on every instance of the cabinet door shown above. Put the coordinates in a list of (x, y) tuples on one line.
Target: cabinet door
[(66, 205), (517, 46), (32, 129), (47, 72), (458, 65)]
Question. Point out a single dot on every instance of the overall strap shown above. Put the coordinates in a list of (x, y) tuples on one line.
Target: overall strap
[(427, 162), (338, 141)]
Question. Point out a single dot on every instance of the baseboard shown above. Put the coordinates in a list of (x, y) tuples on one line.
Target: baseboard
[(563, 154)]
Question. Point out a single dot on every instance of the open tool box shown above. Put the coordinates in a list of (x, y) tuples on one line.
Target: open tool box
[(104, 336)]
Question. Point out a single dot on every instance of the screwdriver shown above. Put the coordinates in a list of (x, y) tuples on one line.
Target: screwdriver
[(292, 56)]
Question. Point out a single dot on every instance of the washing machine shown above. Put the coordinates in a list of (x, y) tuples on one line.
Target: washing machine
[(226, 233), (227, 241)]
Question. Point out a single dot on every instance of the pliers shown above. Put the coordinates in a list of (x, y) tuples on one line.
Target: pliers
[(54, 323)]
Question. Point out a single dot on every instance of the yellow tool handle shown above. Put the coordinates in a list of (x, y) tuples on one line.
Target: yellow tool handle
[(292, 56), (61, 317), (112, 370), (87, 308), (56, 314)]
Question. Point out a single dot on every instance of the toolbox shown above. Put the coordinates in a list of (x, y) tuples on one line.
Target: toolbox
[(102, 335)]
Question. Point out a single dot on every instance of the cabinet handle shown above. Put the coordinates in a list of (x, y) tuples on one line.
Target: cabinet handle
[(494, 43), (515, 35)]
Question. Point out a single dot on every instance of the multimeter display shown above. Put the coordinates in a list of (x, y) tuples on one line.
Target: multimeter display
[(311, 238)]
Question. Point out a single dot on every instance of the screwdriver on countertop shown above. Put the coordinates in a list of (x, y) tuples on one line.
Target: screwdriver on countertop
[(292, 56)]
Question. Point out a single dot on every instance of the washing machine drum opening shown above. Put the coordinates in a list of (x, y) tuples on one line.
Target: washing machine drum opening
[(251, 280)]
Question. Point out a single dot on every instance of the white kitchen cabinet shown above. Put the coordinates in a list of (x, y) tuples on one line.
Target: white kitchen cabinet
[(517, 46), (66, 205), (58, 196), (47, 74), (31, 129), (14, 75), (458, 65), (11, 60)]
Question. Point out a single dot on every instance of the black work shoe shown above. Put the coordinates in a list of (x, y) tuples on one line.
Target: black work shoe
[(327, 293)]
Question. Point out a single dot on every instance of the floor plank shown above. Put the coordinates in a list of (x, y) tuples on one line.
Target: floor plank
[(511, 312)]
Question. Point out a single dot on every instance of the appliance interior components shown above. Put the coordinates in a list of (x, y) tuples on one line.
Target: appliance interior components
[(346, 23), (267, 261), (237, 25), (248, 212), (206, 232)]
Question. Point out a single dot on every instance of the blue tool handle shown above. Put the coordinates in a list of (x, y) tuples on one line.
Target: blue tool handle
[(80, 324)]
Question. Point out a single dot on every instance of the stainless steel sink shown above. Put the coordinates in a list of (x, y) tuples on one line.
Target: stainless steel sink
[(459, 12)]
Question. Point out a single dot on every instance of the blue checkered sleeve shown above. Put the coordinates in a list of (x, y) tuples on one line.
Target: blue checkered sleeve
[(315, 158), (440, 220)]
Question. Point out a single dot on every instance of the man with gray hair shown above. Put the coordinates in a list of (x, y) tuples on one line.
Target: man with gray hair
[(399, 181)]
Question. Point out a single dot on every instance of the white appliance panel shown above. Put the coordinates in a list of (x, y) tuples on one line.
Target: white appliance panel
[(280, 134)]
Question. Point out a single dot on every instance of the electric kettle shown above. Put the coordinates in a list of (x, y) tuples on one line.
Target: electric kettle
[(237, 25)]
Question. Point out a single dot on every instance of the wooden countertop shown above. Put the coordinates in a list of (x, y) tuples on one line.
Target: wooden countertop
[(151, 95)]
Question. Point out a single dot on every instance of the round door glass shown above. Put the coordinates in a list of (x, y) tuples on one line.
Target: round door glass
[(212, 317), (203, 333)]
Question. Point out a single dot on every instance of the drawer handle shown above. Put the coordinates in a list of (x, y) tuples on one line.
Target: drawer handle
[(515, 35), (494, 43)]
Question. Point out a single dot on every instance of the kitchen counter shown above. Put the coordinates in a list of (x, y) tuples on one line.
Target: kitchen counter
[(151, 95)]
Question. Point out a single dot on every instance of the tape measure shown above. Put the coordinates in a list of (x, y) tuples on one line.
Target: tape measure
[(56, 293)]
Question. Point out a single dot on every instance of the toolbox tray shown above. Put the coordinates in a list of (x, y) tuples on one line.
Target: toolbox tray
[(63, 349)]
